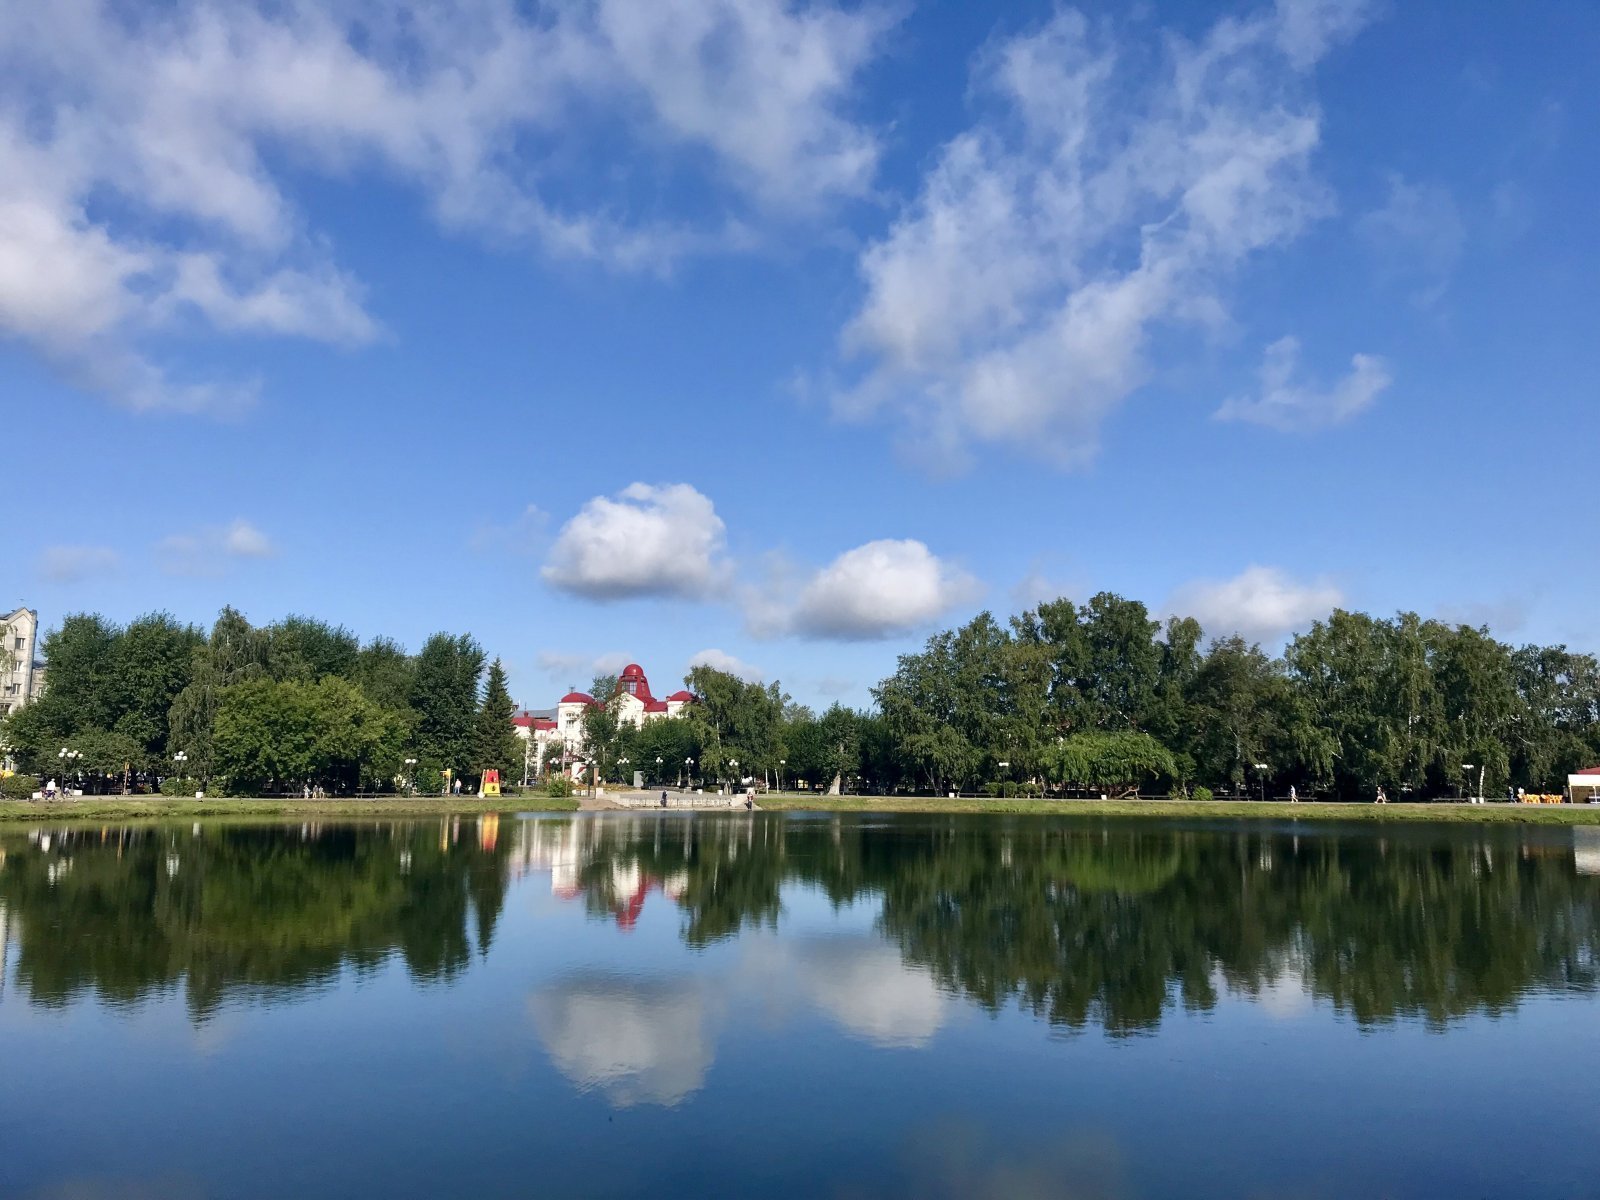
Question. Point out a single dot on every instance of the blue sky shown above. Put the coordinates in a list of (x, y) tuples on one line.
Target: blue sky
[(791, 331)]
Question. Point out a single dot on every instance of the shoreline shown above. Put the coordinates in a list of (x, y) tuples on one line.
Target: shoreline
[(109, 808), (1450, 813)]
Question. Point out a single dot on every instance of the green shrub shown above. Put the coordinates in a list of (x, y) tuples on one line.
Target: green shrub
[(173, 785), (1203, 793), (558, 787), (18, 787)]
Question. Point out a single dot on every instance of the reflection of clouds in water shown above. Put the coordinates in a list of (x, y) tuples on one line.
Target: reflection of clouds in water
[(171, 1187), (861, 982), (959, 1158), (638, 1041), (1285, 997)]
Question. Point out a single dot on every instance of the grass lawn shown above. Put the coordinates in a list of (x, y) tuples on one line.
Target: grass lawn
[(118, 808), (1483, 814)]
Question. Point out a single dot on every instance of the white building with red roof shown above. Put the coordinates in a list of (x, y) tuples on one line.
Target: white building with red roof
[(553, 732)]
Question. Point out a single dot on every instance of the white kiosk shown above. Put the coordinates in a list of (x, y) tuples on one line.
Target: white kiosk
[(1584, 787)]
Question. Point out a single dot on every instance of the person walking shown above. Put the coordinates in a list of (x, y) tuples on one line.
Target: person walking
[(1294, 796), (1383, 796)]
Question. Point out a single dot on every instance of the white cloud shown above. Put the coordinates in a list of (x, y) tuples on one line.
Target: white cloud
[(1036, 587), (1417, 236), (647, 541), (721, 660), (865, 985), (144, 155), (879, 590), (70, 564), (1016, 300), (206, 552), (521, 535), (579, 669), (635, 1042), (1261, 603), (1290, 405)]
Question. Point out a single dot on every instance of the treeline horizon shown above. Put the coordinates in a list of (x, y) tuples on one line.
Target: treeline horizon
[(1064, 698), (276, 707)]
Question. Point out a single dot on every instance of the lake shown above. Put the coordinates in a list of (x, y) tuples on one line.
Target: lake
[(799, 1005)]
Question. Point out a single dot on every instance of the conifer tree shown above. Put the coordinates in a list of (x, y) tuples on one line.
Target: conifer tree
[(495, 742)]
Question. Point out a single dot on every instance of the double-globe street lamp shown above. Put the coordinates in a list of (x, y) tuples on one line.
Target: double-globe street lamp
[(411, 776), (69, 762), (1262, 769)]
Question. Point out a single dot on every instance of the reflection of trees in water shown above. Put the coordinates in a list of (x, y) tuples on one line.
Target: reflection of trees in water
[(251, 910), (1113, 925), (1084, 925)]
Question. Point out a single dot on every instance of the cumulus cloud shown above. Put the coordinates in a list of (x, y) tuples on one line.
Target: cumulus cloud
[(206, 552), (879, 590), (721, 660), (1262, 603), (646, 541), (144, 155), (71, 564), (1291, 405), (1016, 300)]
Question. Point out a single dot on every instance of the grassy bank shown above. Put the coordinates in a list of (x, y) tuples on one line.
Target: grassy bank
[(1482, 814), (125, 808)]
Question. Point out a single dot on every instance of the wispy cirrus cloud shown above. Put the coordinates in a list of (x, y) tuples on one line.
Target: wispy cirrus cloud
[(73, 564), (1020, 297), (1289, 404)]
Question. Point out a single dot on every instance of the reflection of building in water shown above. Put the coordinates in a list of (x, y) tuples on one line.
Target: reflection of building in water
[(1586, 850), (588, 859)]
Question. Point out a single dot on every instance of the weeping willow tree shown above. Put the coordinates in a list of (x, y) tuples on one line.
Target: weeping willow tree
[(1110, 762)]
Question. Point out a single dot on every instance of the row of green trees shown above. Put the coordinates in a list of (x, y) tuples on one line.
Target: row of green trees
[(1064, 697), (279, 707), (1100, 697)]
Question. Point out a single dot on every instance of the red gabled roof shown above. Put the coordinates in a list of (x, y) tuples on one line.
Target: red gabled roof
[(577, 698), (682, 697), (655, 706), (1588, 771), (543, 723)]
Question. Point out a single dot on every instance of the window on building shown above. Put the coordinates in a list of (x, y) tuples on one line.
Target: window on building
[(20, 644)]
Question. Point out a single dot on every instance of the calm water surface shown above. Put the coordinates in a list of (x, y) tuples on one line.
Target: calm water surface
[(799, 1006)]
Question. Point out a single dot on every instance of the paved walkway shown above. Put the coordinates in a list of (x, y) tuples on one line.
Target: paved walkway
[(613, 801)]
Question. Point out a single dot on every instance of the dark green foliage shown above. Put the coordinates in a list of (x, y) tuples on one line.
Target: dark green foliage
[(444, 696), (129, 699), (496, 744)]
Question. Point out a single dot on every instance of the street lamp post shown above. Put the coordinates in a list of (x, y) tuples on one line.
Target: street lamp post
[(178, 760), (734, 763), (411, 776), (1466, 783), (688, 773), (622, 762), (782, 763), (69, 762), (1263, 768)]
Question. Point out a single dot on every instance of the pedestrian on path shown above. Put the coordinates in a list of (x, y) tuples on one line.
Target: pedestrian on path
[(1383, 797)]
